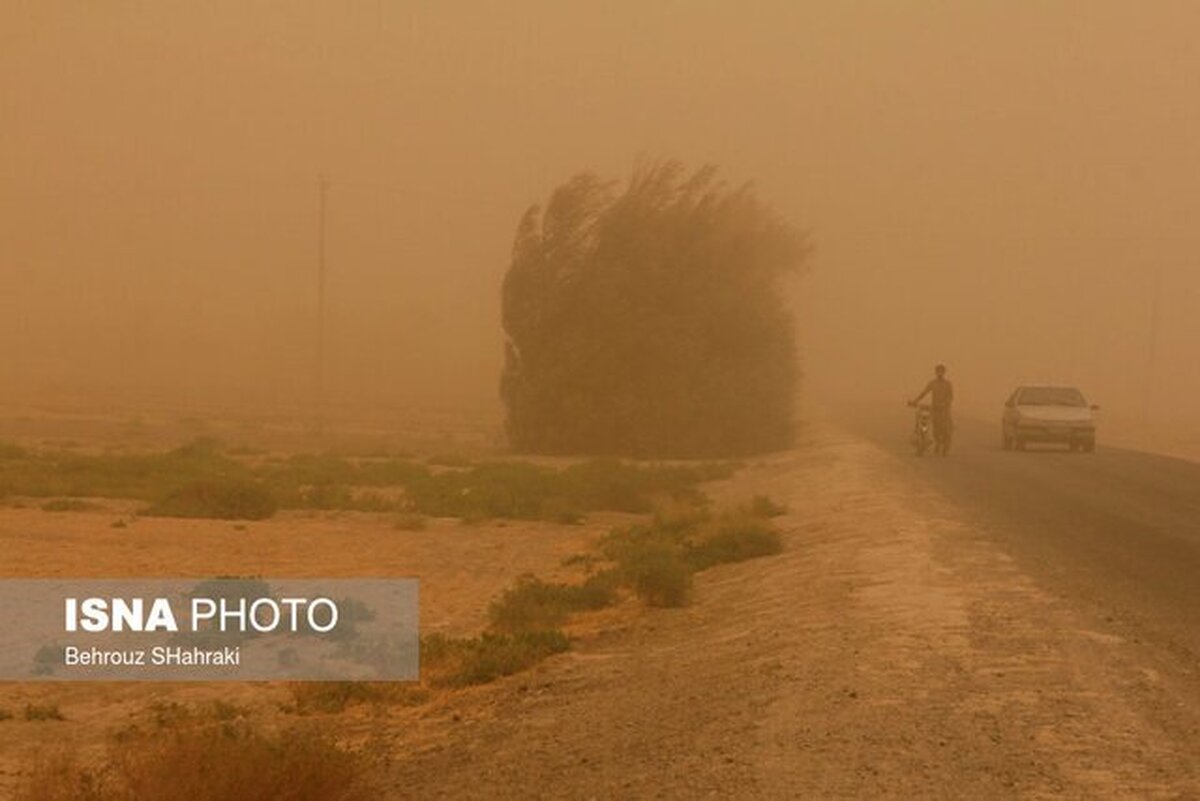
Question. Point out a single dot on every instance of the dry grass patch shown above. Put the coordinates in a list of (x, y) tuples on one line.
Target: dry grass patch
[(535, 605), (657, 560), (462, 662), (43, 712), (313, 697), (228, 761)]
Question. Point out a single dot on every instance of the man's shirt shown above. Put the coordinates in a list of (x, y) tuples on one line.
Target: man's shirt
[(940, 391)]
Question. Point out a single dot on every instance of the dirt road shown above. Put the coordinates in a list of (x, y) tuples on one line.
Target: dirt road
[(897, 648)]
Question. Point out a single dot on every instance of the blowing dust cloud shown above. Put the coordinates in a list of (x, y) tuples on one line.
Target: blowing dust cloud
[(1006, 189)]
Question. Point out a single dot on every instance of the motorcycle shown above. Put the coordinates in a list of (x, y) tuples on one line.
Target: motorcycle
[(922, 435)]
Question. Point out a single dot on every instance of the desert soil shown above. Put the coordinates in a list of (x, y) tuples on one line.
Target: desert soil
[(892, 650), (461, 568)]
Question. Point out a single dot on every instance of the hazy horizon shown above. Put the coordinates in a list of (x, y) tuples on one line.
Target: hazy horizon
[(992, 185)]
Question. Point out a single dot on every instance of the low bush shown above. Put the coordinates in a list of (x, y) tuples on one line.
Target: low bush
[(200, 479), (170, 714), (389, 472), (372, 502), (626, 487), (39, 712), (223, 499), (116, 475), (533, 492), (734, 540), (309, 468), (322, 496), (657, 560), (335, 696), (311, 481), (68, 505), (649, 560), (660, 577), (494, 489), (213, 762), (461, 662), (533, 605)]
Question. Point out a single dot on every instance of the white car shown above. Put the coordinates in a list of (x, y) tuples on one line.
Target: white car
[(1048, 414)]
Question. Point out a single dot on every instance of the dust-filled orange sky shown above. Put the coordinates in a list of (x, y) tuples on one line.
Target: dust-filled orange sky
[(992, 184)]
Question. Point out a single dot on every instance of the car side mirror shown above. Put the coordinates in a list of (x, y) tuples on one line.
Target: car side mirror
[(1095, 407)]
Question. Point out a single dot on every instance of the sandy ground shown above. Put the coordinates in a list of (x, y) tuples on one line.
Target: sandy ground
[(891, 651), (461, 568)]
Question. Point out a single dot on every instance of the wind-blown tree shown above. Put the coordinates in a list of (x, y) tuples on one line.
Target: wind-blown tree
[(651, 321)]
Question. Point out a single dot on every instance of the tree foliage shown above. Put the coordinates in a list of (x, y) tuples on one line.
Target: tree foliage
[(650, 321)]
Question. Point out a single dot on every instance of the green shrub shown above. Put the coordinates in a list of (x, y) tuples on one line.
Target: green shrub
[(116, 475), (657, 560), (628, 487), (224, 499), (390, 472), (170, 714), (323, 481), (325, 496), (611, 484), (532, 492), (454, 662), (493, 656), (677, 523), (659, 576), (309, 468), (198, 479), (533, 605), (372, 502), (331, 696), (649, 560), (67, 505), (335, 696), (734, 541), (494, 489)]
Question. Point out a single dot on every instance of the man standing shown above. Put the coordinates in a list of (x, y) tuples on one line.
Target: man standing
[(941, 395)]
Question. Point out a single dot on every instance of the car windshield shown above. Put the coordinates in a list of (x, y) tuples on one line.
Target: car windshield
[(1051, 396)]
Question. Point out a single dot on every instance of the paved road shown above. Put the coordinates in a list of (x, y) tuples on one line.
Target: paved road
[(1116, 532)]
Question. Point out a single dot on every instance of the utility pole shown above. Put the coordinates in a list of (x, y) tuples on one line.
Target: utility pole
[(1155, 304), (322, 198)]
